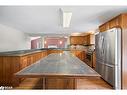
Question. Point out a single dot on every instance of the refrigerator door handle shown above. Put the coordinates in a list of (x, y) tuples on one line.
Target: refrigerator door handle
[(102, 46), (109, 65)]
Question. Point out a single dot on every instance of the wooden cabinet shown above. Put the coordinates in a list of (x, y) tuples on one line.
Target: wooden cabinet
[(102, 28), (82, 40), (90, 39), (80, 54), (8, 66), (94, 59), (44, 53), (85, 40), (30, 59), (12, 64), (77, 40), (23, 62), (55, 51), (115, 22)]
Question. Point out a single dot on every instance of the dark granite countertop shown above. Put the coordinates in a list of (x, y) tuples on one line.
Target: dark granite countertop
[(30, 51), (64, 64)]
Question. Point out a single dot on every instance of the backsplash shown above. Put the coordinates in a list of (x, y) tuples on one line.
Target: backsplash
[(90, 47)]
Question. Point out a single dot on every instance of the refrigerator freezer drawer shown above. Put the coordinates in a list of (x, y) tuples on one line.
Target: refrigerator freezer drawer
[(106, 71), (110, 75), (100, 68)]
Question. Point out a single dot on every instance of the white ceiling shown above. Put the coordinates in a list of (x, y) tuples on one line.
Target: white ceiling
[(47, 19)]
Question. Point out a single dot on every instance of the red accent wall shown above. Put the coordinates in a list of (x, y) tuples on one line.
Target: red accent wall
[(55, 41)]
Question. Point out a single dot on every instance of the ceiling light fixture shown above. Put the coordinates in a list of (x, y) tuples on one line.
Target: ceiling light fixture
[(66, 15), (66, 19)]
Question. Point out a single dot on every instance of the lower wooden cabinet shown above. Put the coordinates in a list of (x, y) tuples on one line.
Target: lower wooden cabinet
[(80, 54), (8, 66), (55, 51), (94, 60), (23, 62), (44, 54), (60, 83)]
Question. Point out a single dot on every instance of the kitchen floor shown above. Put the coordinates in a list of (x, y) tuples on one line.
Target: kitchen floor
[(86, 84)]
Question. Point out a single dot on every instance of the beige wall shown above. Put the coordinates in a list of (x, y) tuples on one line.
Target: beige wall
[(12, 39)]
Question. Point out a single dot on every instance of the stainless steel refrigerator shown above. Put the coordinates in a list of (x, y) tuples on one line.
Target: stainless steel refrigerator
[(108, 56)]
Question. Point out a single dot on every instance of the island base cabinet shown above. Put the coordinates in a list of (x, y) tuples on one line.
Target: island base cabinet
[(9, 65), (59, 83)]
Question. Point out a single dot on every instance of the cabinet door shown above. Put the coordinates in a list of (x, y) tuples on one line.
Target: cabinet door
[(94, 60), (79, 54), (85, 40), (115, 22), (77, 40), (112, 23), (83, 55), (102, 28), (92, 39), (23, 63), (88, 39), (28, 60)]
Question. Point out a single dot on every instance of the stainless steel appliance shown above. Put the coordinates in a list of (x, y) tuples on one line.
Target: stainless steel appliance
[(108, 56), (89, 58)]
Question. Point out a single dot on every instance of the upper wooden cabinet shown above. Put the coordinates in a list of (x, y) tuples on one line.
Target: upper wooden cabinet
[(102, 28), (115, 22), (90, 39), (77, 40), (82, 40)]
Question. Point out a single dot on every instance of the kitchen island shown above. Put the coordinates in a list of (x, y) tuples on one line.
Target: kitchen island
[(13, 61), (58, 71)]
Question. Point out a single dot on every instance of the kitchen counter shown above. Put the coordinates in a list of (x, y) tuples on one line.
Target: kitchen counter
[(58, 64), (27, 52)]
